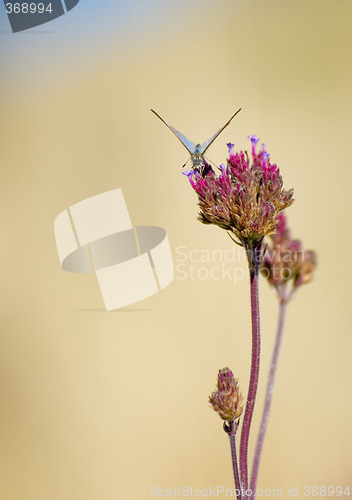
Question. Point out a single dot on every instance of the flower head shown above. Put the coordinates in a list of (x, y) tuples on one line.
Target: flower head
[(285, 262), (245, 198), (227, 399)]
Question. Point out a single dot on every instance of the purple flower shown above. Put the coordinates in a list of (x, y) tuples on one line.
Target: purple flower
[(246, 197), (254, 140)]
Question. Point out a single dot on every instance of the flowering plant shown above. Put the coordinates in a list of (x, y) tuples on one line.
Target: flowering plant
[(247, 199)]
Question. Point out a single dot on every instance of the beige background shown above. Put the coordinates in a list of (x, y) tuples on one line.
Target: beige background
[(98, 405)]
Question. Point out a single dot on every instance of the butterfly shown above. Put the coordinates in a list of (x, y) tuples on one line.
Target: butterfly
[(196, 150)]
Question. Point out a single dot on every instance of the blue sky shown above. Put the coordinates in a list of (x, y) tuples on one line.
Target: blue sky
[(89, 32)]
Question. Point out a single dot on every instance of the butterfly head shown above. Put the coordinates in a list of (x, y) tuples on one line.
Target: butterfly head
[(197, 158)]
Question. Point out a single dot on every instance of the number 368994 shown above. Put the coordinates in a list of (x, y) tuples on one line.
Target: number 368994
[(28, 8)]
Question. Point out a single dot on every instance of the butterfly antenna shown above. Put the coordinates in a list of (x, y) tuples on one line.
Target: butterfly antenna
[(183, 166), (209, 161)]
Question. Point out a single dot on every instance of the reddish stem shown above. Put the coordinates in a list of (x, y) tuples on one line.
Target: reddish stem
[(268, 396), (232, 436), (254, 376)]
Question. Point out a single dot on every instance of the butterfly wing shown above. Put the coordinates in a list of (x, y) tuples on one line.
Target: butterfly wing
[(189, 145), (205, 146)]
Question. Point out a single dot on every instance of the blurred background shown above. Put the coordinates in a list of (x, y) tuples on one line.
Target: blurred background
[(98, 405)]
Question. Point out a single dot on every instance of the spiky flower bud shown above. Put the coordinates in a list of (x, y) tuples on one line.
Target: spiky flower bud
[(285, 262), (227, 399)]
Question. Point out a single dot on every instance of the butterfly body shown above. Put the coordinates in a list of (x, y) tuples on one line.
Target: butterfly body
[(196, 151), (197, 157)]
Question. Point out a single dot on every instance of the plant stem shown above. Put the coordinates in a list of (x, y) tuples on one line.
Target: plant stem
[(232, 436), (268, 396), (254, 376)]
